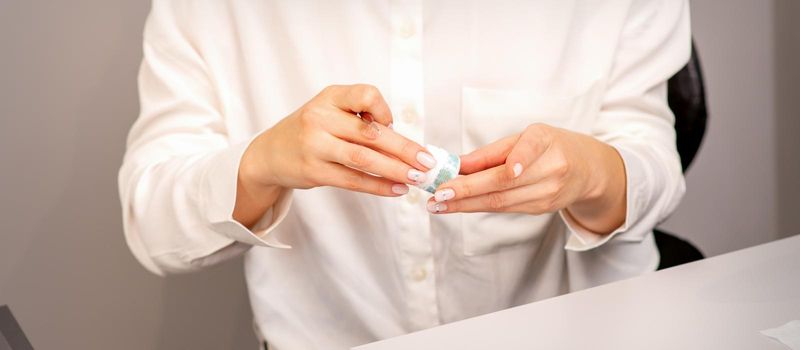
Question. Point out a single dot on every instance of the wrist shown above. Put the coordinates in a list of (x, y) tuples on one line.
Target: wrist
[(607, 175), (603, 206), (255, 194), (254, 168)]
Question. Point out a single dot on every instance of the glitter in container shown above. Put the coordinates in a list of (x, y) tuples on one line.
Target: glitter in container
[(447, 167)]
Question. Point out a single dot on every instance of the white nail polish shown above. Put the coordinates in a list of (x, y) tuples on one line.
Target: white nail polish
[(426, 159), (443, 195), (416, 176), (399, 189), (517, 169), (435, 207)]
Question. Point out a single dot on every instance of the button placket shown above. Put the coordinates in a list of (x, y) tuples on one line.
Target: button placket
[(419, 273), (406, 96), (413, 197), (410, 115)]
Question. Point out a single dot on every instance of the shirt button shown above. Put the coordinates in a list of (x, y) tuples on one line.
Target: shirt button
[(413, 196), (406, 29), (419, 274), (410, 115)]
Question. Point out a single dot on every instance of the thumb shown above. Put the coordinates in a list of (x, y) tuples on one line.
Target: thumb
[(529, 147), (488, 156)]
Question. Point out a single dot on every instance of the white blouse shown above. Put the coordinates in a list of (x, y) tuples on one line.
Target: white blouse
[(328, 268)]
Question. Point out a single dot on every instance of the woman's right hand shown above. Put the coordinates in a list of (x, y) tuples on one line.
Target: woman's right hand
[(325, 143)]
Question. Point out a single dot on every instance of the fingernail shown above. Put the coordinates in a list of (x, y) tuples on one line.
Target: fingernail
[(517, 169), (426, 159), (443, 195), (436, 207), (416, 176), (399, 189), (390, 126)]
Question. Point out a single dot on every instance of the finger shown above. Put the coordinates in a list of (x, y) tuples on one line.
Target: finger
[(368, 160), (360, 98), (490, 180), (487, 156), (340, 176), (532, 143), (533, 199), (383, 139)]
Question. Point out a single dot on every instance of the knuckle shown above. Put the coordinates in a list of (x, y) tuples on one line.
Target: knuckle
[(408, 148), (307, 116), (562, 168), (535, 128), (369, 131), (359, 158), (309, 166), (538, 131), (328, 89), (496, 200), (352, 181), (369, 94), (463, 189), (506, 180), (539, 128)]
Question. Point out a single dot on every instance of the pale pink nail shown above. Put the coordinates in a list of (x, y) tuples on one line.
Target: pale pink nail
[(443, 195), (416, 176), (436, 207), (399, 189), (517, 169), (426, 159)]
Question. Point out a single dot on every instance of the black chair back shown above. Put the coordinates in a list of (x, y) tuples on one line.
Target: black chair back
[(686, 95)]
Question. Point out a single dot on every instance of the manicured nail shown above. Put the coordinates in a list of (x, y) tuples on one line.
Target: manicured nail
[(517, 169), (399, 189), (443, 195), (416, 176), (436, 207), (426, 159)]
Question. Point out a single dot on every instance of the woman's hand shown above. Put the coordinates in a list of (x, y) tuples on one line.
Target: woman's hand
[(325, 143), (544, 169)]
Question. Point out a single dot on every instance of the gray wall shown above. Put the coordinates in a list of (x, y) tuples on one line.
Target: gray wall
[(742, 188), (787, 98), (68, 96)]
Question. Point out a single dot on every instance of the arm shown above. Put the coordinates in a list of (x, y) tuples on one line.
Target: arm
[(191, 198), (178, 179), (623, 178)]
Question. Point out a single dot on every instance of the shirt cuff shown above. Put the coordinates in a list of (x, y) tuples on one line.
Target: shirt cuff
[(581, 239), (219, 200)]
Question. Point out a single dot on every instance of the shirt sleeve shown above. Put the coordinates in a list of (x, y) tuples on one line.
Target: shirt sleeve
[(635, 118), (178, 179)]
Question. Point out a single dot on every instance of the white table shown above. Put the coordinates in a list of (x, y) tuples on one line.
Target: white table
[(716, 303)]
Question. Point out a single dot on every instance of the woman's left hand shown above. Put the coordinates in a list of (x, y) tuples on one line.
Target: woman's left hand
[(543, 169)]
